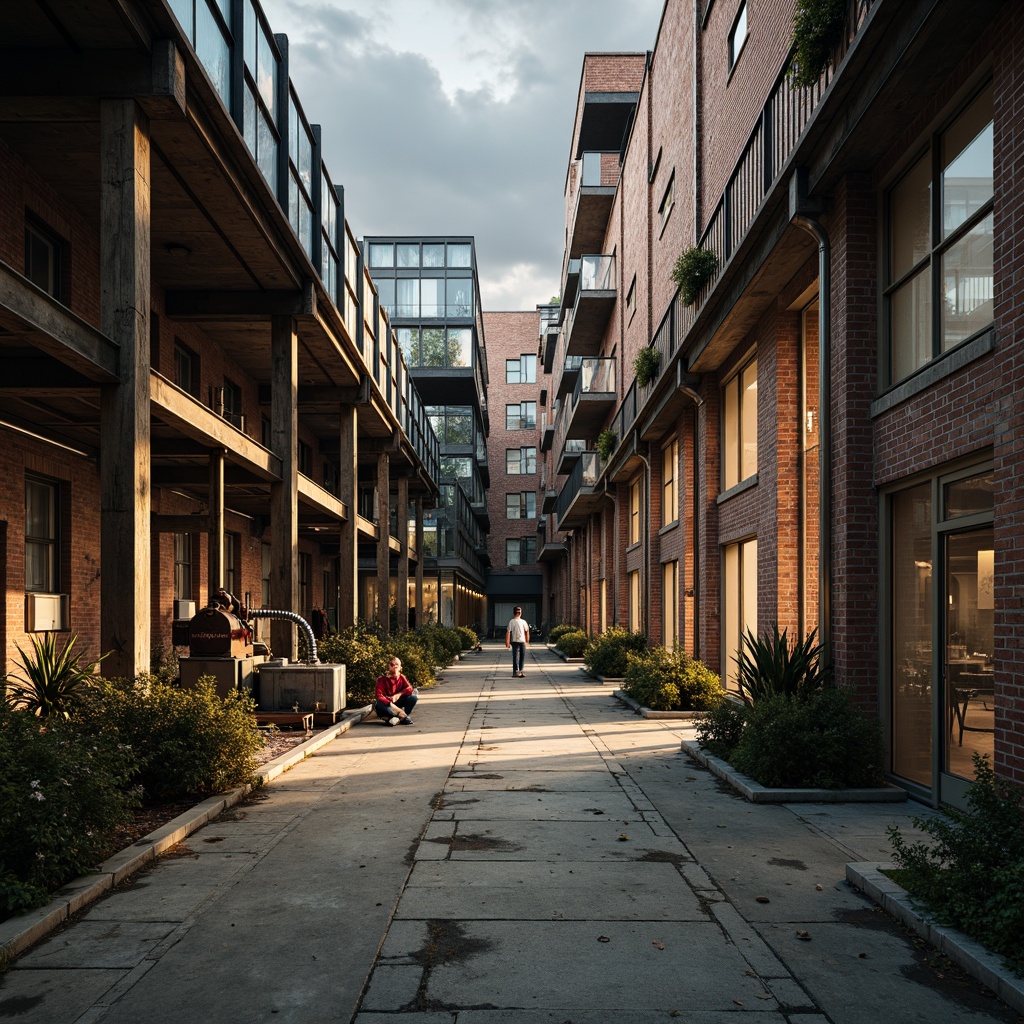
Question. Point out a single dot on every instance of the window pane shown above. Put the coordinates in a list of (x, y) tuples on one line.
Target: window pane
[(967, 164), (969, 497), (408, 303), (529, 369), (212, 51), (748, 428), (266, 76), (386, 293), (183, 12), (382, 255), (512, 369), (460, 296), (512, 506), (433, 255), (266, 148), (458, 256), (408, 255), (512, 417), (749, 559), (460, 428), (432, 296), (408, 340), (967, 285), (911, 325), (731, 611), (731, 417), (460, 346), (432, 347), (512, 460), (910, 205)]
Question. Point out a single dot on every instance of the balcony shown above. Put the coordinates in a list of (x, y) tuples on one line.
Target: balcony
[(549, 550), (593, 398), (568, 375), (547, 428), (579, 497), (598, 177), (595, 299), (568, 456)]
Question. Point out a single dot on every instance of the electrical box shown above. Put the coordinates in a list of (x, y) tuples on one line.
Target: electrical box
[(312, 687), (47, 612)]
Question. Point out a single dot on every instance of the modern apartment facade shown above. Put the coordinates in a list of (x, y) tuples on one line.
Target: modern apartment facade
[(430, 290), (200, 386), (830, 439)]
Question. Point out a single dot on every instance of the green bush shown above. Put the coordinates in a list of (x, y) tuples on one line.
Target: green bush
[(664, 680), (444, 641), (468, 637), (360, 649), (972, 876), (692, 270), (719, 731), (557, 632), (768, 666), (573, 644), (607, 441), (188, 741), (646, 365), (61, 795), (819, 740), (606, 654), (817, 31)]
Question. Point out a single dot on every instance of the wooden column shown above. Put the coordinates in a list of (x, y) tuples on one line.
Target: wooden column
[(125, 502), (215, 538), (348, 490), (383, 534), (284, 496), (403, 555), (419, 562)]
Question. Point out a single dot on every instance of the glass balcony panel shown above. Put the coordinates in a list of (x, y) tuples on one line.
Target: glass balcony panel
[(213, 51), (597, 273)]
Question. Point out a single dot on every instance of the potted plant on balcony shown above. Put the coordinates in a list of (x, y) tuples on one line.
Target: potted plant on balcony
[(694, 267), (645, 366), (606, 442), (817, 31)]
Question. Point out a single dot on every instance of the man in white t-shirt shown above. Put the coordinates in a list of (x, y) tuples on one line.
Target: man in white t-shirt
[(517, 636)]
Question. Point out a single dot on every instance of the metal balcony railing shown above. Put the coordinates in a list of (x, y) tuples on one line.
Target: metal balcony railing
[(584, 475)]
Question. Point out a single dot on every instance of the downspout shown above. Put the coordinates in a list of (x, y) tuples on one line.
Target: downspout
[(688, 384), (804, 213), (645, 621)]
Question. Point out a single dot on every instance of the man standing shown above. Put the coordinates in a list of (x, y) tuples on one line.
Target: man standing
[(517, 636)]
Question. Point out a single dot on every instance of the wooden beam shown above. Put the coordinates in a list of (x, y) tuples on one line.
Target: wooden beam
[(383, 543), (348, 556), (194, 420), (314, 496), (42, 321), (310, 395), (238, 305), (125, 564), (199, 476)]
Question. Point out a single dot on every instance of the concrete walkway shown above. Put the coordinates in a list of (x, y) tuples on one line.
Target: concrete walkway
[(530, 851)]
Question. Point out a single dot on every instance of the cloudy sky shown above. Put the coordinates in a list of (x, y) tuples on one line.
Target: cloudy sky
[(455, 117)]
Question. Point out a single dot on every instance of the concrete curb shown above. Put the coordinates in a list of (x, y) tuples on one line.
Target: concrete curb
[(19, 933), (565, 657), (758, 794), (683, 716), (965, 952)]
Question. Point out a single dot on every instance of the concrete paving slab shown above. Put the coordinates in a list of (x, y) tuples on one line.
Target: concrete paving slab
[(562, 841), (45, 996), (393, 988), (549, 965), (98, 945), (577, 1016), (467, 890), (593, 780), (486, 805)]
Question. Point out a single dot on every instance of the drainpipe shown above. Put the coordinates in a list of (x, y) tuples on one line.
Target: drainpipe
[(646, 591), (804, 213)]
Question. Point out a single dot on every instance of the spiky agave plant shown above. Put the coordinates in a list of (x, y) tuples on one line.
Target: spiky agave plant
[(769, 665), (52, 679)]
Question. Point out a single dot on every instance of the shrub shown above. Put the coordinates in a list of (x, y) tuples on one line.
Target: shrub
[(53, 681), (468, 637), (444, 641), (188, 741), (557, 632), (972, 876), (768, 666), (645, 366), (606, 442), (818, 740), (606, 654), (719, 731), (61, 795), (573, 644), (361, 650), (666, 680), (693, 268), (817, 31)]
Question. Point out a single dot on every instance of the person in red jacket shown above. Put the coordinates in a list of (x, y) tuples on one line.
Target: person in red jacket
[(396, 696)]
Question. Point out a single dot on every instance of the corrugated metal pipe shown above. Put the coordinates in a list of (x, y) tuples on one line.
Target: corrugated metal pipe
[(271, 613)]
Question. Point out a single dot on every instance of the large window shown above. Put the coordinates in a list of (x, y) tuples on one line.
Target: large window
[(521, 505), (521, 416), (522, 370), (668, 200), (440, 346), (520, 550), (453, 424), (183, 567), (739, 602), (265, 575), (635, 512), (520, 460), (635, 607), (42, 564), (669, 483), (260, 98), (739, 427), (43, 252), (738, 34), (459, 296), (670, 604), (938, 278), (186, 368)]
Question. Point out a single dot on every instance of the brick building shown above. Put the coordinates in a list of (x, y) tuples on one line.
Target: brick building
[(199, 385), (830, 437)]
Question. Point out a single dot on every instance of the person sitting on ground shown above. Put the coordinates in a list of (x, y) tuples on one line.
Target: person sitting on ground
[(396, 696)]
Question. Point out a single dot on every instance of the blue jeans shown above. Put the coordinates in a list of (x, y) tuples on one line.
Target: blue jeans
[(518, 656), (406, 703)]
